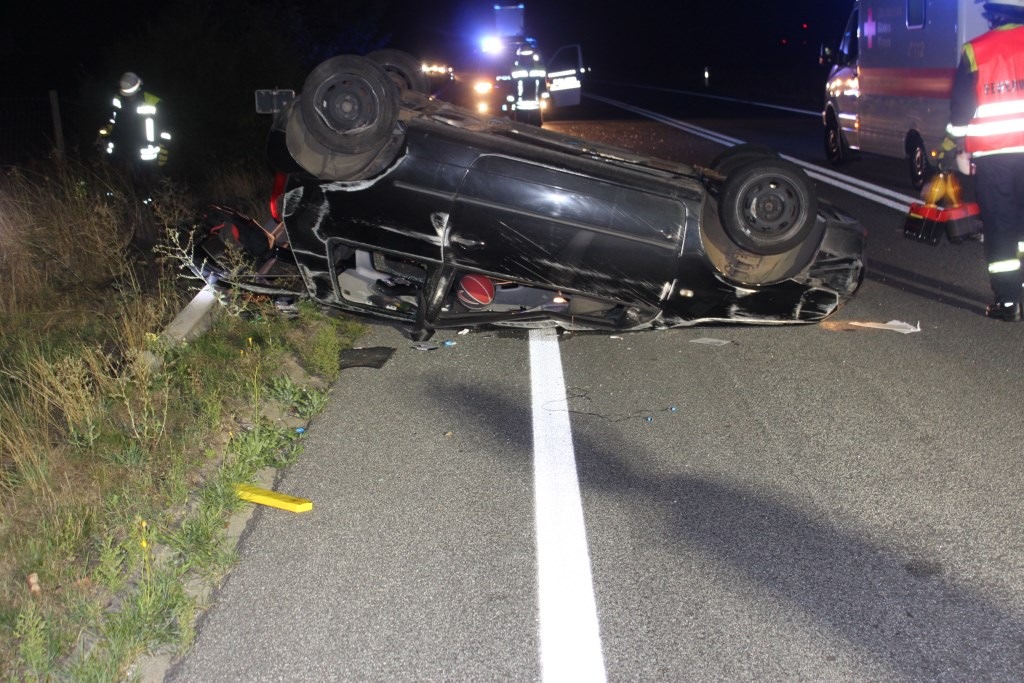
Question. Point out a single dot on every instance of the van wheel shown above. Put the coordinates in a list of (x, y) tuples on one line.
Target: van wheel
[(917, 162), (404, 69), (768, 206), (349, 105), (836, 150), (737, 155)]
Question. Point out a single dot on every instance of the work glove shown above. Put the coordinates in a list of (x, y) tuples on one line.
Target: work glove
[(948, 149)]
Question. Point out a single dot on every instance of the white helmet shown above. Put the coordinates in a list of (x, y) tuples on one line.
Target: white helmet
[(1002, 12), (130, 83), (1013, 6)]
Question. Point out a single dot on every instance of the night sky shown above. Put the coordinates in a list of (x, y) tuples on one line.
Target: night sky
[(619, 39), (51, 39), (208, 56)]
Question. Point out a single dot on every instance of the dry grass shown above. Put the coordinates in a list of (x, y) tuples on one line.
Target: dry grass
[(60, 227), (94, 443)]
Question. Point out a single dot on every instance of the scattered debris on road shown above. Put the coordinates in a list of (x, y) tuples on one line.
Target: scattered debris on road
[(710, 341), (894, 325)]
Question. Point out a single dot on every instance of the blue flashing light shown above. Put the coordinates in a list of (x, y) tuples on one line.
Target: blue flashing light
[(491, 45)]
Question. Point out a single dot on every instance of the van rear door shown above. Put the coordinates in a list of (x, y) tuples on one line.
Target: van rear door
[(564, 71)]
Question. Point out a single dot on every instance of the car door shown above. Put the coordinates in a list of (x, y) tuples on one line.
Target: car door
[(545, 226), (565, 70)]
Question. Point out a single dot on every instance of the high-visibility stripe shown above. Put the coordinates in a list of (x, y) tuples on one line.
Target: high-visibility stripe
[(990, 128), (935, 83), (971, 59), (564, 84), (1000, 108), (1002, 150), (1007, 266), (956, 131)]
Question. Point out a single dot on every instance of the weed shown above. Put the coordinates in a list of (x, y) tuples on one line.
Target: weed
[(133, 455), (84, 434), (31, 632), (200, 541), (320, 339), (322, 355), (111, 565), (305, 401)]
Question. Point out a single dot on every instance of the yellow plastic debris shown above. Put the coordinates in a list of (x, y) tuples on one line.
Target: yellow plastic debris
[(273, 498)]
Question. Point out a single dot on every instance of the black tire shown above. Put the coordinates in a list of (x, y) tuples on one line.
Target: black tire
[(768, 206), (738, 155), (917, 162), (349, 104), (836, 150), (404, 69)]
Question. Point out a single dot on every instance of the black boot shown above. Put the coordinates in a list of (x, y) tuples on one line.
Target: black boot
[(1006, 310)]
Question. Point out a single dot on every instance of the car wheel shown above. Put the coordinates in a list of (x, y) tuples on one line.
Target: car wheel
[(404, 69), (768, 206), (836, 150), (917, 162), (737, 155), (349, 104)]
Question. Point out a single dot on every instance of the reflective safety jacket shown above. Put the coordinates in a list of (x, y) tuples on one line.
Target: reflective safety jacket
[(133, 131), (990, 86)]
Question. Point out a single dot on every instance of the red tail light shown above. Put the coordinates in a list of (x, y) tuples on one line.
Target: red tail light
[(277, 195)]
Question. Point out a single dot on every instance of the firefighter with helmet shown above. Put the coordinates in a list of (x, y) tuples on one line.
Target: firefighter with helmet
[(986, 130), (134, 136)]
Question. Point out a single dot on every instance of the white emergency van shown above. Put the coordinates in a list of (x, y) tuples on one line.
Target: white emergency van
[(891, 77)]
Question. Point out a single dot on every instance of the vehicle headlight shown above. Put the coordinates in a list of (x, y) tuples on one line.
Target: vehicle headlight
[(482, 87)]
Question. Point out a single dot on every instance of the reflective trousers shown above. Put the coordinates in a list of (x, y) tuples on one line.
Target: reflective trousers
[(1000, 194)]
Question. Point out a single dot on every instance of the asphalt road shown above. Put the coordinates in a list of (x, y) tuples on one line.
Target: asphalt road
[(827, 502)]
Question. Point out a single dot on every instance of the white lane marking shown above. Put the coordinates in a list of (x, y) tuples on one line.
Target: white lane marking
[(707, 96), (876, 193), (570, 638)]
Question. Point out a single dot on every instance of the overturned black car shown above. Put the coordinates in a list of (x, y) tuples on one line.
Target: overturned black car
[(400, 206)]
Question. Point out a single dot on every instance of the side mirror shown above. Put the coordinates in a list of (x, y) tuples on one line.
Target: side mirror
[(273, 101), (827, 55)]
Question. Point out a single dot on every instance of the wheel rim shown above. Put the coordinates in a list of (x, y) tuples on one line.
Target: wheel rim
[(346, 104), (772, 210), (833, 146), (918, 166)]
